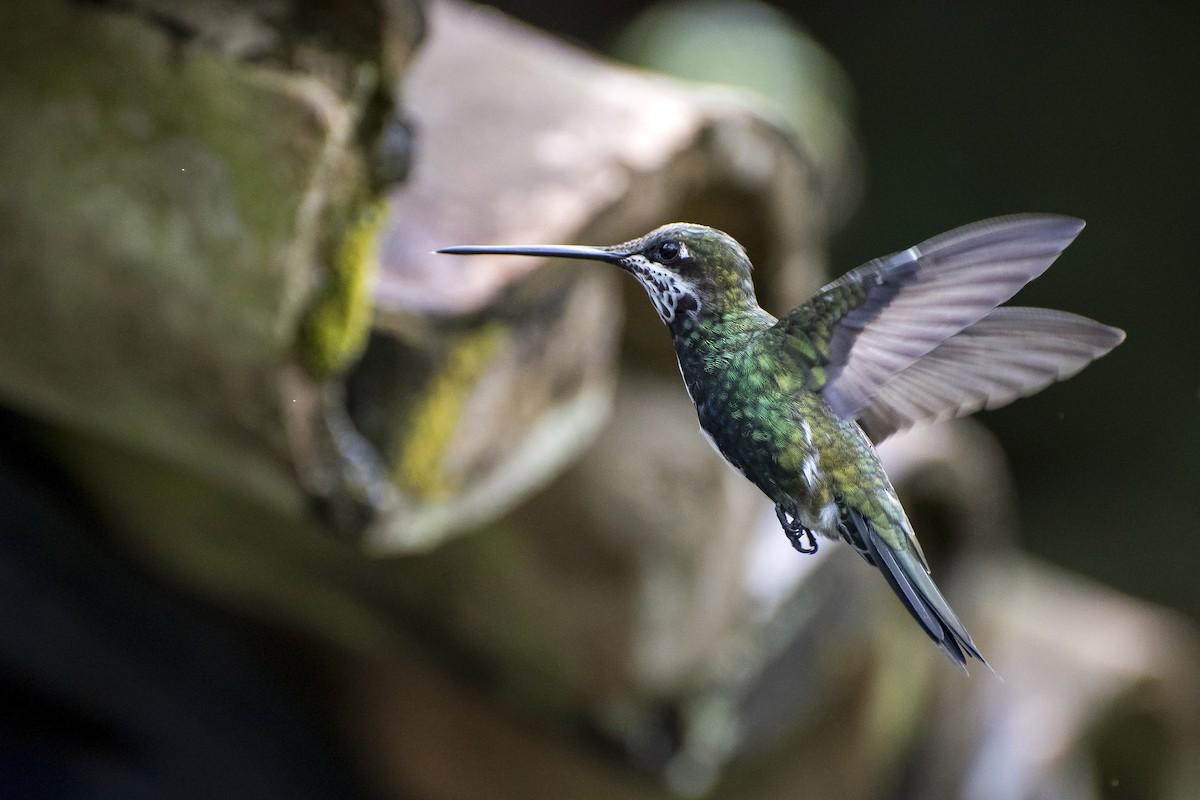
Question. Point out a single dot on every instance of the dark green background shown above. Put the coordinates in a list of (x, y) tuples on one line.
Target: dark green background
[(1091, 109)]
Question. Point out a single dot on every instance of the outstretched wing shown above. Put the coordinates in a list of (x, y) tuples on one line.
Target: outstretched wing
[(878, 319), (1010, 353)]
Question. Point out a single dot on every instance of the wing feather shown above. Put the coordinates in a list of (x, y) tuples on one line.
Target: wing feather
[(881, 317), (1011, 353)]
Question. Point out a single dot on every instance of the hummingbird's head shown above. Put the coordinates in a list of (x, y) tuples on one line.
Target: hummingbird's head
[(688, 270)]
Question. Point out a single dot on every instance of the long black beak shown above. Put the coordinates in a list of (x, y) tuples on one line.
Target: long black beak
[(542, 251)]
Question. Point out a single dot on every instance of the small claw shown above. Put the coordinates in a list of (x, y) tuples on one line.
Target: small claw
[(802, 538)]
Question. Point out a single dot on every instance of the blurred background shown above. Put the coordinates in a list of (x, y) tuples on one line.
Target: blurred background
[(291, 507)]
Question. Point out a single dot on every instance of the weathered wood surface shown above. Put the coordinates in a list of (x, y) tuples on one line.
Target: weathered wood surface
[(154, 285)]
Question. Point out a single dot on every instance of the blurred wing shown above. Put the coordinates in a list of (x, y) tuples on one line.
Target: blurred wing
[(878, 319), (1010, 353)]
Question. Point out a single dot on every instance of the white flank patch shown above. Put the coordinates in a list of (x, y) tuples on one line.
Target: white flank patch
[(828, 519), (812, 474), (823, 522), (810, 465)]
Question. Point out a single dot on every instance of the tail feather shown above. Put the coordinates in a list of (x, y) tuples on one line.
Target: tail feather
[(905, 573)]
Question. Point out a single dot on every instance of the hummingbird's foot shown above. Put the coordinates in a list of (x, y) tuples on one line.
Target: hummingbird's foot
[(802, 538)]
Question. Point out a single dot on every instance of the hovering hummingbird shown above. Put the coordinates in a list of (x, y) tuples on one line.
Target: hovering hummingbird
[(797, 404)]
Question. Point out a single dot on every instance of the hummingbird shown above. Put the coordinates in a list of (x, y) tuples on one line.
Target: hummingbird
[(798, 404)]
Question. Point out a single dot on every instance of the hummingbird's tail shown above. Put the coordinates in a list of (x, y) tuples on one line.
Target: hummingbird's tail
[(905, 572)]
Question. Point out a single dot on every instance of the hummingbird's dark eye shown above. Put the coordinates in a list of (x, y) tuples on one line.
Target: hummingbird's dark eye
[(668, 251)]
